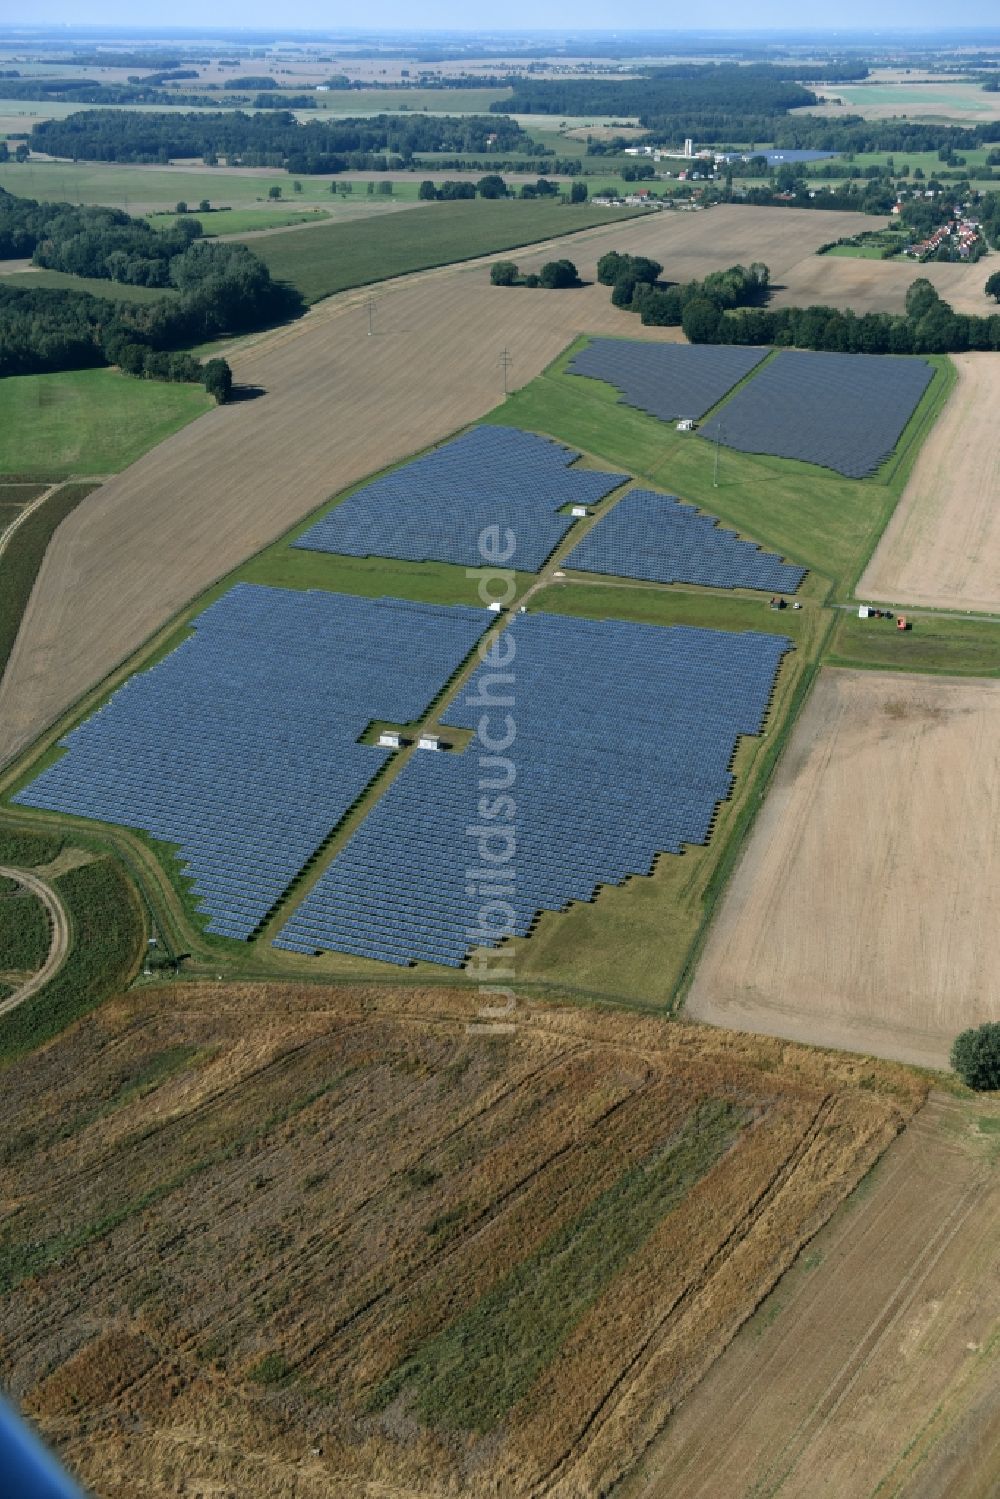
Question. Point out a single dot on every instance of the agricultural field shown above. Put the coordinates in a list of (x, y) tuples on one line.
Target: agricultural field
[(947, 101), (330, 258), (23, 548), (88, 422), (24, 933), (879, 285), (871, 1367), (942, 547), (604, 1199), (435, 101), (242, 221), (857, 912), (31, 278), (14, 498)]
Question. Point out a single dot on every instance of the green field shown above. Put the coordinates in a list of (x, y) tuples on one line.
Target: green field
[(109, 930), (332, 258), (241, 220), (138, 188), (856, 252), (88, 421), (24, 933), (111, 291), (927, 99)]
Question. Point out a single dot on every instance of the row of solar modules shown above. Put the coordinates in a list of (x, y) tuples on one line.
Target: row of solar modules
[(492, 480), (624, 738), (240, 747), (656, 537), (841, 411), (668, 381)]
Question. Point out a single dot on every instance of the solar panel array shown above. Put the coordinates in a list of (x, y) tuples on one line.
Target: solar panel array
[(239, 747), (624, 738), (655, 536), (436, 508), (841, 411), (667, 380)]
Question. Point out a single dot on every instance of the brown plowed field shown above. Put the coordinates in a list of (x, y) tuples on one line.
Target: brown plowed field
[(285, 1242), (338, 405), (872, 1368), (942, 546), (863, 910), (878, 285)]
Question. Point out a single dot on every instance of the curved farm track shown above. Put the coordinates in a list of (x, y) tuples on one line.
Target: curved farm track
[(337, 406), (61, 936)]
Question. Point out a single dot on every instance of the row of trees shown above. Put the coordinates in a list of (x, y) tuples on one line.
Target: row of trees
[(493, 186), (555, 275), (273, 138)]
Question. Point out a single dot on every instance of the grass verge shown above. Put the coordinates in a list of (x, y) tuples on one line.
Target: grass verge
[(936, 643)]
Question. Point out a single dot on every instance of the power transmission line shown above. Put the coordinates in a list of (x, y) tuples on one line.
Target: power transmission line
[(371, 305), (506, 362)]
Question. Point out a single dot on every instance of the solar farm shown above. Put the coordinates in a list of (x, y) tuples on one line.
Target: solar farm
[(667, 380), (625, 734), (241, 746), (436, 508), (657, 537), (841, 411), (248, 753)]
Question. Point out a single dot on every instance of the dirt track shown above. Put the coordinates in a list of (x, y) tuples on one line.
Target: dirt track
[(863, 912), (942, 546), (58, 947), (338, 405), (869, 1369)]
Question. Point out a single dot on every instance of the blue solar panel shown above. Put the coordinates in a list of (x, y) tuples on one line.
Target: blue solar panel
[(240, 746), (841, 411), (624, 736), (655, 536), (437, 508), (667, 380)]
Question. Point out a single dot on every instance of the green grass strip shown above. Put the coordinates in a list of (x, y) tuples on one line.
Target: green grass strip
[(470, 1374)]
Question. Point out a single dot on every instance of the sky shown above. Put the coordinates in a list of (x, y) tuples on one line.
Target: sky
[(452, 14)]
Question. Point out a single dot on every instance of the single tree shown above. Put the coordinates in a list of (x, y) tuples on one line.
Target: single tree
[(274, 191), (557, 274), (204, 206), (975, 1056), (296, 187), (218, 379), (993, 286), (21, 153), (578, 192), (503, 273), (492, 186), (180, 206), (426, 191)]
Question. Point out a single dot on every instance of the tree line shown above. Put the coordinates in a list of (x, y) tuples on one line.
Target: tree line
[(273, 139), (727, 307)]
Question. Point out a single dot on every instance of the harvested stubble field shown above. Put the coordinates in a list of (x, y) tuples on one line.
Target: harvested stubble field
[(871, 1368), (879, 285), (455, 1262), (862, 912), (942, 546), (338, 405)]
